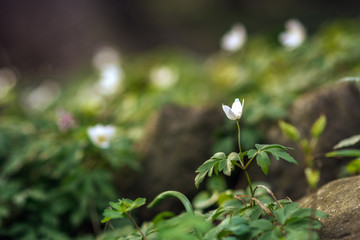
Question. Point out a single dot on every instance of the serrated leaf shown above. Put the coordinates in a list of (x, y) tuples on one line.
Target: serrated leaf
[(278, 153), (319, 126), (111, 214), (251, 153), (267, 146), (217, 163), (137, 203), (262, 159), (289, 131), (203, 170), (348, 142), (234, 157)]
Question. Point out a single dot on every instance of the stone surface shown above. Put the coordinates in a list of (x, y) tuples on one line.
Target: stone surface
[(340, 103), (340, 199), (177, 142)]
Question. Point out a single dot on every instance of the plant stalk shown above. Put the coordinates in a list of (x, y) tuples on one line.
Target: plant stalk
[(137, 227), (249, 182), (241, 160)]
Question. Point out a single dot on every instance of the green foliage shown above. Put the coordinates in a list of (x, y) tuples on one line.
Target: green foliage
[(121, 208), (217, 163), (183, 227), (53, 181), (344, 153), (348, 142), (262, 158), (232, 219), (184, 200), (220, 163), (353, 167), (318, 127), (289, 131), (307, 145)]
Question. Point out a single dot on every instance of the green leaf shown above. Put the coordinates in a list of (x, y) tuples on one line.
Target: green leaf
[(280, 215), (312, 176), (183, 227), (217, 163), (137, 203), (344, 153), (267, 146), (348, 142), (261, 224), (289, 131), (319, 126), (353, 166), (278, 153), (251, 153), (216, 184), (206, 168), (120, 208), (111, 214), (184, 200), (263, 160)]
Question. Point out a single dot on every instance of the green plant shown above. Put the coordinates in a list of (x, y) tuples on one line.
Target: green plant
[(307, 146), (239, 214), (353, 167)]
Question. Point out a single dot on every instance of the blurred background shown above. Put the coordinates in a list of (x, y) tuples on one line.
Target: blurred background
[(108, 99), (50, 39)]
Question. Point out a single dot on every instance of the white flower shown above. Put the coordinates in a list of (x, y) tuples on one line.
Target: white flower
[(42, 97), (163, 76), (294, 35), (234, 39), (235, 111), (106, 55), (111, 79), (101, 135)]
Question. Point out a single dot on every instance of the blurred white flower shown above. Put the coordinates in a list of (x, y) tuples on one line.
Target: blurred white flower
[(101, 135), (163, 76), (104, 56), (7, 81), (42, 97), (234, 39), (235, 111), (110, 79), (294, 35)]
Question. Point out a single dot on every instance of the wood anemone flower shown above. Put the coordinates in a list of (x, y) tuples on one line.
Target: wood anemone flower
[(235, 112), (101, 135), (294, 35), (234, 39)]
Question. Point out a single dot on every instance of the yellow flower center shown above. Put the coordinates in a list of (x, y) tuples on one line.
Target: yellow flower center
[(101, 138)]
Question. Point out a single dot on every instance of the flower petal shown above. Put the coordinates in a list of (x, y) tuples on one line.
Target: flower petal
[(228, 112), (237, 108)]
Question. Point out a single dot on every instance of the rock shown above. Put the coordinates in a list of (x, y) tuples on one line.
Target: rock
[(340, 199), (340, 104), (178, 141)]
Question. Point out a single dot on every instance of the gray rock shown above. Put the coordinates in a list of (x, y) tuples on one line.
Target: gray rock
[(340, 199), (177, 142), (340, 103)]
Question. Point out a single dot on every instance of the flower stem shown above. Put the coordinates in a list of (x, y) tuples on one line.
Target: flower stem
[(242, 162), (238, 125), (241, 159), (137, 227), (250, 185)]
